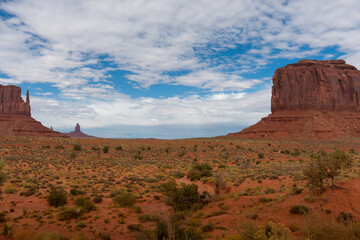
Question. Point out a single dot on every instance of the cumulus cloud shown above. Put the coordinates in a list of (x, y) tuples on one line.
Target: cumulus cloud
[(207, 45)]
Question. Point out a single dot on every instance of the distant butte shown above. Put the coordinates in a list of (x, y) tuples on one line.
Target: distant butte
[(311, 99), (15, 115), (78, 134)]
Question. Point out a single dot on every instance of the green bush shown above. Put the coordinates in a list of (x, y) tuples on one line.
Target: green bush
[(185, 198), (77, 147), (118, 148), (124, 199), (85, 204), (325, 166), (198, 171), (106, 149), (56, 197), (70, 213), (75, 192), (194, 175)]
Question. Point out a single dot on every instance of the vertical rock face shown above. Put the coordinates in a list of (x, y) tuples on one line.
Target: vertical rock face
[(15, 115), (77, 128), (312, 99), (330, 85), (11, 102)]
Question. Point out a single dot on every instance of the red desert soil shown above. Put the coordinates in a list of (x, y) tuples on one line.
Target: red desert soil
[(251, 169)]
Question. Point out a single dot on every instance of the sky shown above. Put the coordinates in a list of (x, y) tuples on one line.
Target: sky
[(164, 68)]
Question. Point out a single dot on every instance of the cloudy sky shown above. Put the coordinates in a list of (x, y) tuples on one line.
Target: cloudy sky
[(164, 68)]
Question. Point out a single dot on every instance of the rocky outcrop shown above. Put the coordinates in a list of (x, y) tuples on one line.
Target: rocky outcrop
[(77, 133), (15, 115), (11, 102), (311, 99)]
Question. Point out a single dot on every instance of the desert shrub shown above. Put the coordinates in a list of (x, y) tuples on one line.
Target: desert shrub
[(194, 175), (269, 190), (300, 209), (244, 164), (176, 174), (80, 224), (208, 227), (9, 189), (95, 148), (72, 155), (198, 171), (168, 187), (77, 147), (56, 197), (261, 155), (119, 148), (59, 147), (320, 229), (345, 218), (106, 149), (76, 191), (324, 167), (26, 235), (29, 192), (134, 227), (97, 199), (124, 199), (189, 233), (185, 198), (271, 231), (85, 204), (219, 183), (69, 213), (265, 199), (2, 173), (145, 218)]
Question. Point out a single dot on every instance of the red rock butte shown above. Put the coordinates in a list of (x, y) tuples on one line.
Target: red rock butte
[(77, 133), (311, 99), (15, 115)]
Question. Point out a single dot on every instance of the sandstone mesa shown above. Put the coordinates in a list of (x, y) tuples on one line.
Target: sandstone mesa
[(311, 99)]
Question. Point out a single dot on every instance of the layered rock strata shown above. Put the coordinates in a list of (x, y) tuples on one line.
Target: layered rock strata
[(312, 99), (15, 115)]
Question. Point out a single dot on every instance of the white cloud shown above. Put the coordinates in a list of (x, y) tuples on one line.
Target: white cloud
[(225, 108), (65, 43)]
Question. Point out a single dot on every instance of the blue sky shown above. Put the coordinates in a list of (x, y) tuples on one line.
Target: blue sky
[(164, 68)]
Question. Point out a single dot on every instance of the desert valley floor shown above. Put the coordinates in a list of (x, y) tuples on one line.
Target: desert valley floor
[(259, 181)]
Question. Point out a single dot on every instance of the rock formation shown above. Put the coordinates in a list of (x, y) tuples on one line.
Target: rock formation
[(15, 115), (312, 99), (78, 134), (11, 102)]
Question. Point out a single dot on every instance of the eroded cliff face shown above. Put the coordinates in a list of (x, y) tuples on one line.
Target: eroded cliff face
[(330, 85), (311, 99), (15, 115), (11, 102)]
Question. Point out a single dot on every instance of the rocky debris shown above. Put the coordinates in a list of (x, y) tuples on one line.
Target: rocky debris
[(78, 134), (15, 115), (311, 99)]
